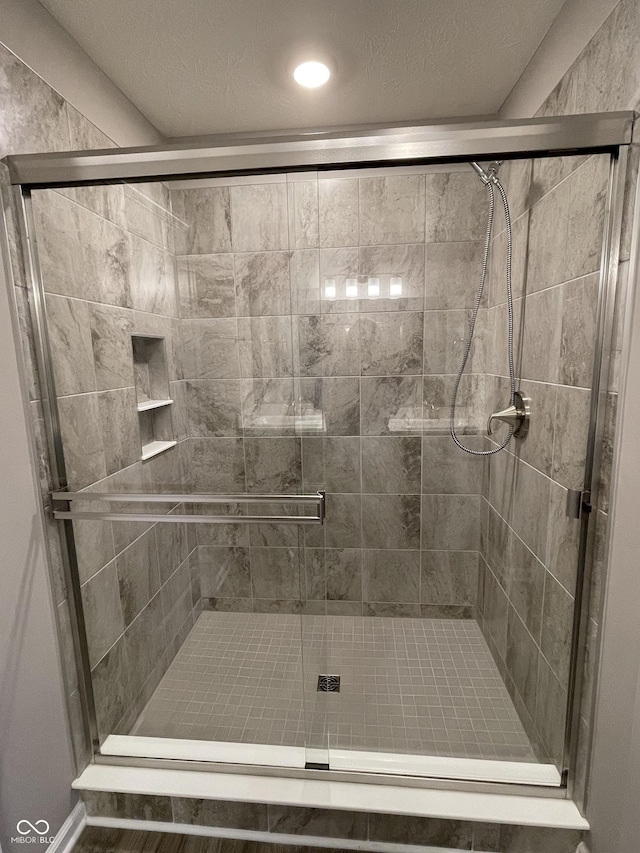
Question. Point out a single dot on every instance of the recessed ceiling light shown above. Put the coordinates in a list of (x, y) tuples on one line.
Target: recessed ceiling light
[(311, 75)]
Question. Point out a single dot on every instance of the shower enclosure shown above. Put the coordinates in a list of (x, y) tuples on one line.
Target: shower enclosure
[(246, 356)]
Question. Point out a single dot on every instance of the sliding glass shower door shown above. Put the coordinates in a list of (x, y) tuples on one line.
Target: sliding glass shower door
[(228, 352)]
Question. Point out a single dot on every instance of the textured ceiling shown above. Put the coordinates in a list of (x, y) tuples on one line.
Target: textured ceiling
[(213, 66)]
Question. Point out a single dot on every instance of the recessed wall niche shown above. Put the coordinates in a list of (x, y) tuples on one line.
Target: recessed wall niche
[(152, 395)]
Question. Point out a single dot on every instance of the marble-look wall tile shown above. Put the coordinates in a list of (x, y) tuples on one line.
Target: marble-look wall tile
[(148, 214), (338, 212), (217, 464), (128, 806), (177, 606), (119, 421), (557, 626), (276, 573), (522, 660), (445, 334), (578, 331), (391, 465), (220, 813), (173, 547), (570, 447), (537, 447), (267, 406), (448, 470), (69, 333), (436, 404), (315, 576), (111, 688), (452, 273), (338, 398), (274, 465), (343, 568), (588, 193), (138, 575), (37, 118), (451, 522), (390, 576), (391, 405), (563, 539), (317, 822), (145, 642), (449, 577), (262, 283), (214, 407), (548, 234), (494, 838), (392, 210), (391, 521), (152, 278), (404, 261), (337, 265), (110, 329), (343, 525), (524, 580), (331, 463), (57, 223), (456, 207), (400, 829), (496, 608), (204, 226), (530, 507), (259, 218), (265, 346), (391, 343), (304, 270), (206, 286), (224, 572), (103, 612), (110, 260), (82, 439), (211, 349), (303, 214), (551, 710), (329, 345), (542, 329)]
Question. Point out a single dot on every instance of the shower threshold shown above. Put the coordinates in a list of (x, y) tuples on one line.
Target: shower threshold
[(418, 697)]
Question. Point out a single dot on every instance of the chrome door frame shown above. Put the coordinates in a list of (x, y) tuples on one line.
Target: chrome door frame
[(254, 153)]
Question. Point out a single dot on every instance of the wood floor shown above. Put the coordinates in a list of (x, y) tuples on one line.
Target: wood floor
[(95, 839)]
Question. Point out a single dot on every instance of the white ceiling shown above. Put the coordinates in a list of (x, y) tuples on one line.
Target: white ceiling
[(214, 66)]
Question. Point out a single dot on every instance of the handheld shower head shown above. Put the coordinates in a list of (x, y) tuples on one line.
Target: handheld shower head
[(491, 173)]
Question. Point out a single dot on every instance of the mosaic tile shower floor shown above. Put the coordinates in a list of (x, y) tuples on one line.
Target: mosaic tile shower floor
[(425, 686)]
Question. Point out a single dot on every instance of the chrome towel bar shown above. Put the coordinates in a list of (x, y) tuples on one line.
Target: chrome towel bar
[(317, 500)]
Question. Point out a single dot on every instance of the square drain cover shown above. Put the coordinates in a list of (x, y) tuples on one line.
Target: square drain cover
[(329, 683)]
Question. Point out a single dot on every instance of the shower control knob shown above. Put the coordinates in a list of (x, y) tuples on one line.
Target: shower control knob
[(516, 415)]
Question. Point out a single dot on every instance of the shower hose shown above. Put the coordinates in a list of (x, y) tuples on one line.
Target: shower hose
[(490, 183)]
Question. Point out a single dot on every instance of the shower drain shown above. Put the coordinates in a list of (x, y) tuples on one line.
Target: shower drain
[(329, 683)]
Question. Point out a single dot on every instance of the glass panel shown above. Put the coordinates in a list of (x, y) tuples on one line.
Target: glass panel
[(173, 358), (283, 334)]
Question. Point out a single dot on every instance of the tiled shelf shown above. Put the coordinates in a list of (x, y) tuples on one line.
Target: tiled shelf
[(146, 405), (155, 447)]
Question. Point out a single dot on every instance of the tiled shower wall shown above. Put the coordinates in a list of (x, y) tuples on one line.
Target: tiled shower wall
[(529, 547), (107, 263), (271, 331), (603, 78)]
